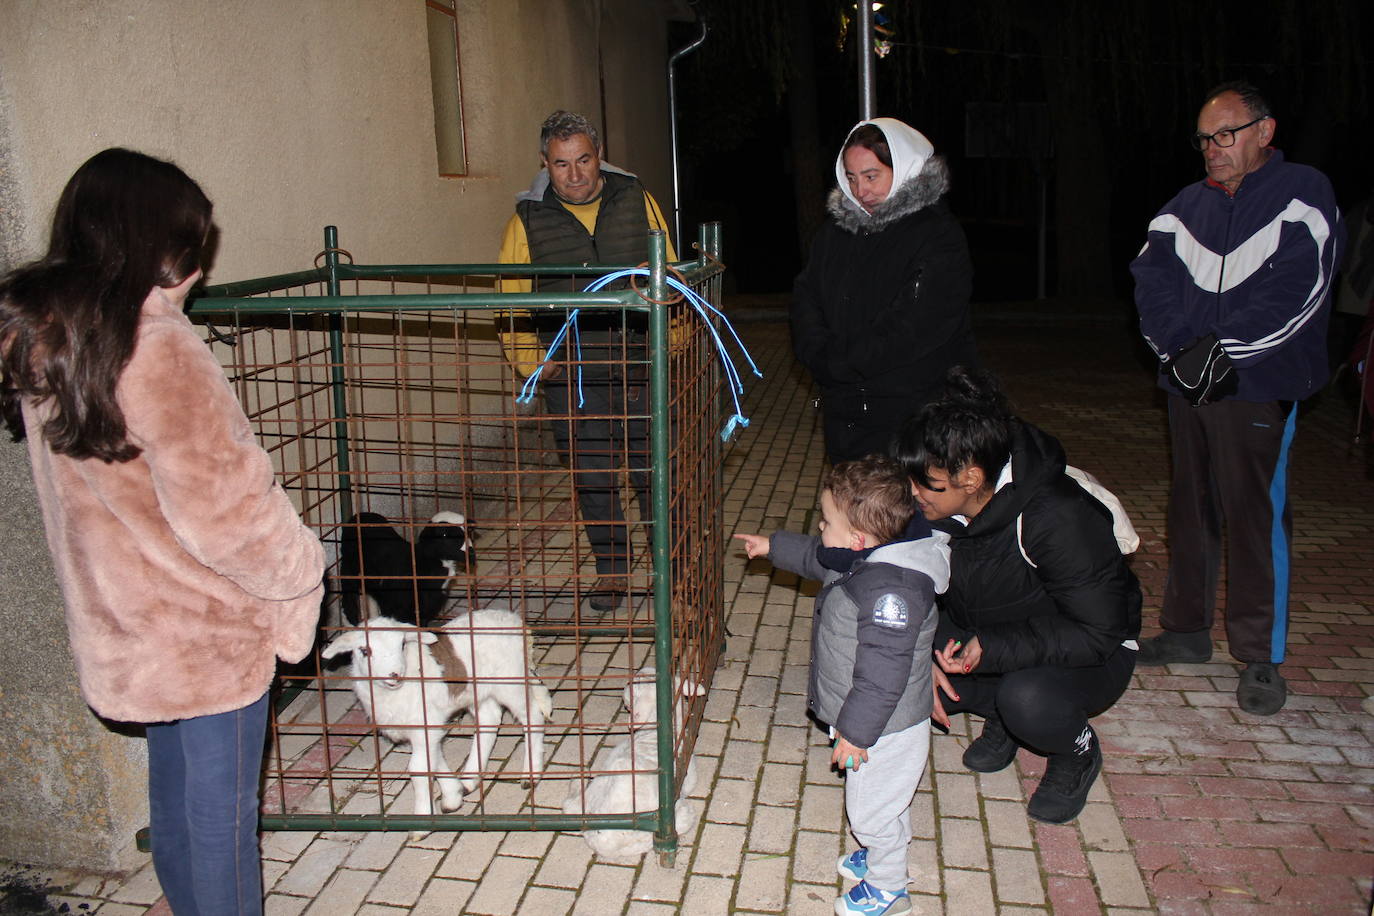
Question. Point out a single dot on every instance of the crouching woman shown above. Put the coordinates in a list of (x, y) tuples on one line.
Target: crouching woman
[(184, 568), (1037, 629)]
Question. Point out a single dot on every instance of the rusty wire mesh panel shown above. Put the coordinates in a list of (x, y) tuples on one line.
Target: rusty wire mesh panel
[(401, 408)]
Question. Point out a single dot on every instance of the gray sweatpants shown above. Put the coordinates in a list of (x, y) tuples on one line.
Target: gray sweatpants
[(877, 800)]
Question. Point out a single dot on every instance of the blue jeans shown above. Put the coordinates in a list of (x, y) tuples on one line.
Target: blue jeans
[(203, 776)]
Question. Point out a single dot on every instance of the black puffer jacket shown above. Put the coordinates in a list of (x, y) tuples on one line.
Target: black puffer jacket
[(881, 310), (1072, 611)]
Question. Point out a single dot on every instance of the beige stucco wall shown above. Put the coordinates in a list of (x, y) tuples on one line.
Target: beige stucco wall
[(292, 114), (299, 113)]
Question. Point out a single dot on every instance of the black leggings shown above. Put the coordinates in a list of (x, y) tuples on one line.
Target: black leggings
[(1044, 709)]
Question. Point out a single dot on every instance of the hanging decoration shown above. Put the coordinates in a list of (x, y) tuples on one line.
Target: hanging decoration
[(883, 33)]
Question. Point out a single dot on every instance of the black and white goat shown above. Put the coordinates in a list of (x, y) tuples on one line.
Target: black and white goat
[(412, 681), (631, 785), (406, 581)]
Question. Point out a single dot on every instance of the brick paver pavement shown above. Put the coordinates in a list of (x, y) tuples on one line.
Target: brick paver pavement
[(1202, 808)]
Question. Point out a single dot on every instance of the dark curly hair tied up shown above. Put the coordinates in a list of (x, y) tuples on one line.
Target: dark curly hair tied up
[(970, 424)]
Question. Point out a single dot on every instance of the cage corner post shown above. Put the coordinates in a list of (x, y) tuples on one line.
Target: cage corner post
[(338, 381), (665, 836)]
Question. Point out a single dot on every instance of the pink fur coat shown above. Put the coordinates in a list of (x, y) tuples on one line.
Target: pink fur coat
[(185, 571)]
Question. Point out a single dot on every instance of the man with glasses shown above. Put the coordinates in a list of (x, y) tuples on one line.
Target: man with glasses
[(1233, 289)]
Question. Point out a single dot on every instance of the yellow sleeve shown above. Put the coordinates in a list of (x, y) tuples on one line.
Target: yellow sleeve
[(519, 345), (515, 249), (679, 321), (656, 221)]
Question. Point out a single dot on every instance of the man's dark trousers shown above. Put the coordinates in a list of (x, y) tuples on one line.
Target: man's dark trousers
[(1231, 465), (609, 431)]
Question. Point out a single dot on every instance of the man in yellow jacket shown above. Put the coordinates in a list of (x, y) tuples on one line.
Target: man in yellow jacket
[(581, 211)]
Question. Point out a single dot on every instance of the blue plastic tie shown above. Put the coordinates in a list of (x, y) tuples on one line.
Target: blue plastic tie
[(532, 383), (704, 309)]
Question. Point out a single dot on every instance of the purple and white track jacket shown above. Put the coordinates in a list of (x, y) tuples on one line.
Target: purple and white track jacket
[(1254, 269)]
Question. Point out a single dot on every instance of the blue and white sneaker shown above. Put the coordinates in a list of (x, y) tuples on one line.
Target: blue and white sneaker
[(853, 866), (866, 900)]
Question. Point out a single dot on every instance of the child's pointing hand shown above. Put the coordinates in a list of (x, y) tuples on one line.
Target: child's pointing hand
[(754, 545)]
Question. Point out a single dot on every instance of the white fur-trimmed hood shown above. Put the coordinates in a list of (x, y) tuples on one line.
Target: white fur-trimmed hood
[(919, 179), (917, 194)]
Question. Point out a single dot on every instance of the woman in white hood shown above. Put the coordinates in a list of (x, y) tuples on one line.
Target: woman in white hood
[(880, 311)]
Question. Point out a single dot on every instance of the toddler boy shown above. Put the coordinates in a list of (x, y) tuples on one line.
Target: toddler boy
[(870, 682)]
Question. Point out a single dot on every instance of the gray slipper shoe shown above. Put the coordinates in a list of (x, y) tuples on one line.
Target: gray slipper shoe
[(1262, 691)]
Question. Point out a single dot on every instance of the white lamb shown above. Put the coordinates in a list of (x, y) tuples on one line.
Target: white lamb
[(479, 661), (636, 788)]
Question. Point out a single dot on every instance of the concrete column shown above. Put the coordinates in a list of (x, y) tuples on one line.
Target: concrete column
[(72, 790)]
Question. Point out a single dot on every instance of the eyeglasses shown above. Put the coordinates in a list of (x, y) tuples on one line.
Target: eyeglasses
[(1223, 138)]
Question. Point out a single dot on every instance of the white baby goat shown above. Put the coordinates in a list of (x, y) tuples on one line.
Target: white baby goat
[(480, 661), (636, 788)]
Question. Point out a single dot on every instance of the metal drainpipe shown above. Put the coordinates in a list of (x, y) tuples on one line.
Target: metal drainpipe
[(863, 12), (672, 120)]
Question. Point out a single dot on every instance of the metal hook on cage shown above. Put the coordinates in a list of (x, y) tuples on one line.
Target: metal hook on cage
[(343, 251), (696, 246), (221, 337), (643, 270)]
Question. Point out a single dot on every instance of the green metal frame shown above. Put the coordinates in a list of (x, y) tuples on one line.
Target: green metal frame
[(247, 298)]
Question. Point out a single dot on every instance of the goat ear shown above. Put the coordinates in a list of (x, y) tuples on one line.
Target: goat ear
[(344, 642)]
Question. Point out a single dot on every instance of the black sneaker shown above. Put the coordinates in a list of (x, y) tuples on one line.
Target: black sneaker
[(1170, 648), (993, 750), (1262, 691), (1063, 790)]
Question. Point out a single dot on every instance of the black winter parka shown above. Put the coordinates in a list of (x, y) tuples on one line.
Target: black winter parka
[(881, 310), (1080, 602)]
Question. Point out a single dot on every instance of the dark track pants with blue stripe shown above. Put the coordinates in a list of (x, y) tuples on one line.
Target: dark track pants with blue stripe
[(1231, 467)]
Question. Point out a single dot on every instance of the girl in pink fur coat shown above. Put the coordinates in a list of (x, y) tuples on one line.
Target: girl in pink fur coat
[(185, 569)]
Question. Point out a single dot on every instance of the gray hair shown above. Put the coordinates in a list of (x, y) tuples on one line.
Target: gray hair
[(564, 124), (1250, 97)]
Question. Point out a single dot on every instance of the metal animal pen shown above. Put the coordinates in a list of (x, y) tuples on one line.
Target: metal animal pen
[(383, 388)]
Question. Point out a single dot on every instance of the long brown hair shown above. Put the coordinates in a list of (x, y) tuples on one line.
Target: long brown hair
[(125, 223)]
